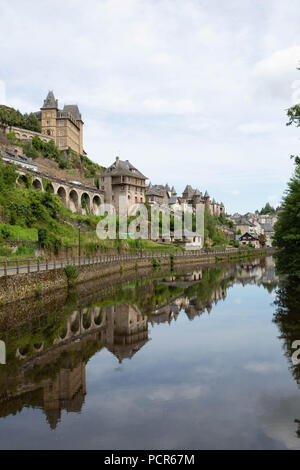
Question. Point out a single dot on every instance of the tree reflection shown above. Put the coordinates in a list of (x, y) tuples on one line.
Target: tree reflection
[(287, 318)]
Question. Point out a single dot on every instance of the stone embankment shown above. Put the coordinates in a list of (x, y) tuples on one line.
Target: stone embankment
[(21, 286)]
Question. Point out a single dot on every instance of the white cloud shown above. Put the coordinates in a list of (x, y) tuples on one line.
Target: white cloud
[(258, 127), (262, 367), (275, 74), (190, 93), (177, 392), (235, 192), (2, 93)]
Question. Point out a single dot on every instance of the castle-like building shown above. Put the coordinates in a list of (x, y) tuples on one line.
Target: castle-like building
[(123, 180), (65, 125)]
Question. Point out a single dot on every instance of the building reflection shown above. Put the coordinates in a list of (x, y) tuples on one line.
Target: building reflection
[(46, 359)]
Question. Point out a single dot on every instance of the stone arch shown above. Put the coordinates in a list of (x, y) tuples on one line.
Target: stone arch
[(96, 204), (62, 194), (50, 188), (75, 325), (85, 202), (73, 200), (36, 184), (86, 321), (22, 179)]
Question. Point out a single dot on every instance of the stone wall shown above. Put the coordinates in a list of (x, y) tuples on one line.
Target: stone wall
[(13, 288), (21, 286)]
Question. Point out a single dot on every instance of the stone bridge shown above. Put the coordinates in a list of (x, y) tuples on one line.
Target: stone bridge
[(76, 197)]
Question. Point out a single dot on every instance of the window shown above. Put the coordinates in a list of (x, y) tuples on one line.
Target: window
[(61, 133), (102, 179), (61, 123), (122, 187), (48, 123), (61, 143)]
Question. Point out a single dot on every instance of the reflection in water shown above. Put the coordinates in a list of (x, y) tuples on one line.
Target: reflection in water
[(287, 318), (46, 356), (47, 353)]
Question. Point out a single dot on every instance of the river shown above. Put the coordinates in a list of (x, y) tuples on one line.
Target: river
[(198, 359)]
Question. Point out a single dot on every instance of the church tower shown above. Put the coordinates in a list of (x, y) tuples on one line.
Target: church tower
[(48, 115)]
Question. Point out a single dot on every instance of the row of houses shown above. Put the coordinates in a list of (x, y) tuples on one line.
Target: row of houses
[(164, 195), (254, 229)]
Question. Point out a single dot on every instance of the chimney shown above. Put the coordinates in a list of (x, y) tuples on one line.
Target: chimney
[(16, 152), (56, 101), (117, 161)]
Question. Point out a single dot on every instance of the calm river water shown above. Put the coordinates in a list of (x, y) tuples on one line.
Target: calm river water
[(200, 359)]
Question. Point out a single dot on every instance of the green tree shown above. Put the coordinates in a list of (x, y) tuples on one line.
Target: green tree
[(287, 229), (268, 209)]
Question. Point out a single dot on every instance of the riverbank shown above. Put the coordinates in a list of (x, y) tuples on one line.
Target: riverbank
[(35, 284)]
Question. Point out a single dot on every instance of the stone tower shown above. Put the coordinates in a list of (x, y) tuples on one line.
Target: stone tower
[(65, 125), (48, 116)]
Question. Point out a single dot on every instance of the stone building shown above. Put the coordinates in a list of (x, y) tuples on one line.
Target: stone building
[(194, 196), (122, 179), (160, 194), (65, 125), (249, 239)]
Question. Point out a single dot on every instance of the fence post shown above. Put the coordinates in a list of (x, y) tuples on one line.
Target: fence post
[(28, 266), (17, 266), (38, 264), (5, 268), (46, 264)]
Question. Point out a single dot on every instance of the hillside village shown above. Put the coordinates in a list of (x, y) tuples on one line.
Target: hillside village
[(50, 147)]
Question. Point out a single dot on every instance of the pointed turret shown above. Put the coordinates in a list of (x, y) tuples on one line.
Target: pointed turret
[(50, 101)]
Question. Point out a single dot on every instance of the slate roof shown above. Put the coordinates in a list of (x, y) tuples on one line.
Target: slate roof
[(188, 189), (73, 110), (172, 200), (18, 158), (50, 101), (267, 228), (247, 235), (123, 168)]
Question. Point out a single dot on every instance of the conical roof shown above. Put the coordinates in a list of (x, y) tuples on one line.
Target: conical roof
[(50, 101)]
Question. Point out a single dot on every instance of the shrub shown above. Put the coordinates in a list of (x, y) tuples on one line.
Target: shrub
[(71, 273), (155, 262)]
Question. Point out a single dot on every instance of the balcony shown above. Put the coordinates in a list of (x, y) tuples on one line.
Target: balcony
[(118, 180)]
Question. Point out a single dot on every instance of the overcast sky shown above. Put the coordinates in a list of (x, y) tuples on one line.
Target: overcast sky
[(191, 92)]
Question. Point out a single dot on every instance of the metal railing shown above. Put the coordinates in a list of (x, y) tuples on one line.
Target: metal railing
[(11, 266)]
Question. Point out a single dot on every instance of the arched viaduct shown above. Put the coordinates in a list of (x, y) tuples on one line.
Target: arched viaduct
[(76, 197)]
